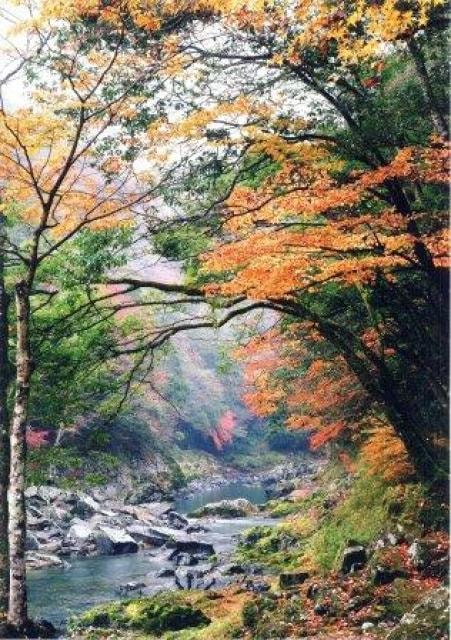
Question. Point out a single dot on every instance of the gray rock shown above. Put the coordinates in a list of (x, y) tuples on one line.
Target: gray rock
[(81, 531), (152, 536), (418, 555), (114, 542), (38, 560), (192, 578), (190, 546), (86, 506), (32, 542), (166, 573), (176, 520)]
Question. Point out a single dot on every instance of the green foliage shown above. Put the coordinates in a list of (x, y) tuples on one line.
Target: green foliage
[(68, 468), (280, 438)]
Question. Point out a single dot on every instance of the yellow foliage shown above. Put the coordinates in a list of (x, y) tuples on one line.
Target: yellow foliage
[(386, 455)]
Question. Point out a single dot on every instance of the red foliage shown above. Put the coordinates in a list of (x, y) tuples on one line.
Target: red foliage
[(224, 430), (36, 439)]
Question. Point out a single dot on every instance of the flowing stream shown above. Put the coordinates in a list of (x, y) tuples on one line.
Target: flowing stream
[(56, 593)]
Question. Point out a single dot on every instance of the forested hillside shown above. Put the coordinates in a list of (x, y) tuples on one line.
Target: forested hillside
[(224, 260)]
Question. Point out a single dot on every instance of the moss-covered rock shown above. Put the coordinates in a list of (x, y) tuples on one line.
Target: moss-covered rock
[(153, 615), (238, 508), (429, 620)]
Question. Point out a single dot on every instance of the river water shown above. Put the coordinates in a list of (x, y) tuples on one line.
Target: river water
[(55, 594)]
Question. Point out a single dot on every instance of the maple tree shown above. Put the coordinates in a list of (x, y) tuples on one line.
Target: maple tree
[(327, 209)]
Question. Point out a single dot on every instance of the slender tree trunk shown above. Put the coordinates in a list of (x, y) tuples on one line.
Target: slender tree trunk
[(17, 615), (438, 118), (4, 429)]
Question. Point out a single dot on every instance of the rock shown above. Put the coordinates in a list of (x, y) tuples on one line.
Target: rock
[(288, 580), (367, 626), (125, 589), (190, 578), (166, 573), (382, 575), (186, 560), (176, 520), (417, 553), (80, 531), (355, 554), (156, 509), (190, 546), (233, 570), (152, 536), (196, 528), (37, 524), (257, 586), (392, 539), (322, 609), (312, 591), (38, 560), (428, 620), (86, 506), (31, 542), (238, 508), (114, 542)]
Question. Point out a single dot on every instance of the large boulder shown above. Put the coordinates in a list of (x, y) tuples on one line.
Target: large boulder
[(114, 542), (239, 508), (81, 531)]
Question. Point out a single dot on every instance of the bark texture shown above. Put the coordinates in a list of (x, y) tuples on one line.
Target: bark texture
[(4, 430), (17, 614)]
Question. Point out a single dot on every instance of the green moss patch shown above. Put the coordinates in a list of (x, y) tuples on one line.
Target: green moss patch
[(154, 615)]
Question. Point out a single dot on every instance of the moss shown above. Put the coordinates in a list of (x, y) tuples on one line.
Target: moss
[(268, 617), (428, 621), (403, 596), (153, 615), (279, 547), (372, 507)]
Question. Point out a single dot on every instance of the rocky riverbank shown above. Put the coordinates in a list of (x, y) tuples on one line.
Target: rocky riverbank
[(66, 524)]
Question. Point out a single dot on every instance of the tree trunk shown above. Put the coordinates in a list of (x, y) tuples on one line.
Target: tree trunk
[(4, 429), (17, 615), (438, 118)]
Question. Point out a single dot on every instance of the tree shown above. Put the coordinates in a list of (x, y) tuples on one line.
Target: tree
[(342, 201), (63, 174)]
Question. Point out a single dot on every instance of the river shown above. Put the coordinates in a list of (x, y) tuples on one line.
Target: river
[(55, 593)]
